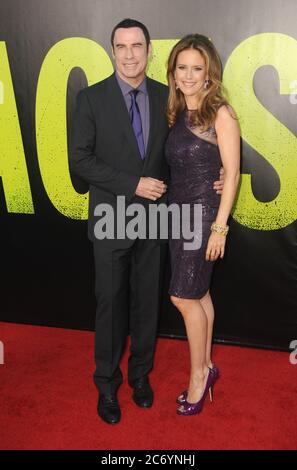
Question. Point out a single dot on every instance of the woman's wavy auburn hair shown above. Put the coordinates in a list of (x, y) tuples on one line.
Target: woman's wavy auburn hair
[(211, 97)]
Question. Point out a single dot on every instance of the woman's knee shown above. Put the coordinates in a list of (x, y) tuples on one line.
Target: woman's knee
[(205, 296), (176, 301), (180, 303)]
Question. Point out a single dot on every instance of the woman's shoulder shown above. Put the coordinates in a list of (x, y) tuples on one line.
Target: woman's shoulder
[(226, 119), (226, 111)]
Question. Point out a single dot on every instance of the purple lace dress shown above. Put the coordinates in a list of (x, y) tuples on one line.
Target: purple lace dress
[(195, 162)]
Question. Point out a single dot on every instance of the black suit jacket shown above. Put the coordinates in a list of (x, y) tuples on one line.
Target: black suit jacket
[(103, 147)]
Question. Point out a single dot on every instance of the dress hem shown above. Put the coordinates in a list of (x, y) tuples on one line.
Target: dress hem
[(187, 296)]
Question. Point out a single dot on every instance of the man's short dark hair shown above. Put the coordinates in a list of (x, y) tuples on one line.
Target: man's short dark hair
[(129, 23)]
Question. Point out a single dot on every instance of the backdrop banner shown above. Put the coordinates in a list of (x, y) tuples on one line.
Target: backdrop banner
[(51, 49)]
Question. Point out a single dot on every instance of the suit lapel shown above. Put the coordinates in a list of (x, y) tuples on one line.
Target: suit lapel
[(154, 116)]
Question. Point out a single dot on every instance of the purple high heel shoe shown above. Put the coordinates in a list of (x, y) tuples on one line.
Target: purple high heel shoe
[(183, 396), (188, 409)]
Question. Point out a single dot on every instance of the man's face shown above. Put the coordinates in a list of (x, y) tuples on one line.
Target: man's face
[(130, 53)]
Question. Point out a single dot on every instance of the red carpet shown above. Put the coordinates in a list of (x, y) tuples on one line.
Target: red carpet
[(48, 400)]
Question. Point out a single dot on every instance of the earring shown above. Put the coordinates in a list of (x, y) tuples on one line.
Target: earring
[(176, 86), (206, 83)]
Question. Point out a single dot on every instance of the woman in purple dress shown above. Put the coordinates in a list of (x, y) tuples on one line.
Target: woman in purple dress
[(204, 136)]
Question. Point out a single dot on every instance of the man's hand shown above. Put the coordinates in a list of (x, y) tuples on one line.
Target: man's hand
[(218, 185), (150, 188)]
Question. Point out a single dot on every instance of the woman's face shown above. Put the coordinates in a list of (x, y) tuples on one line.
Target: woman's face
[(190, 72)]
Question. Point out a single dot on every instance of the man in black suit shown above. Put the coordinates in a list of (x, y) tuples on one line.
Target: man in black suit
[(117, 147)]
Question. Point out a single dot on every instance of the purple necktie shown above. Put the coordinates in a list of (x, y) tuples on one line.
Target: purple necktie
[(136, 122)]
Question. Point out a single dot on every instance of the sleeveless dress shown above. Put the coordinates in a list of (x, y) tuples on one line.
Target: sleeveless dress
[(195, 163)]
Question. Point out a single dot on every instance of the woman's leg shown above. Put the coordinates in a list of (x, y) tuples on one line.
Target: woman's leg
[(195, 320), (207, 305)]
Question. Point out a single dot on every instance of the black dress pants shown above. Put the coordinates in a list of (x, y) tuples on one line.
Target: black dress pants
[(128, 290)]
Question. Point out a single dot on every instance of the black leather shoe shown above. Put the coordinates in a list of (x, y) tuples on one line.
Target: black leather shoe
[(143, 394), (109, 409)]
